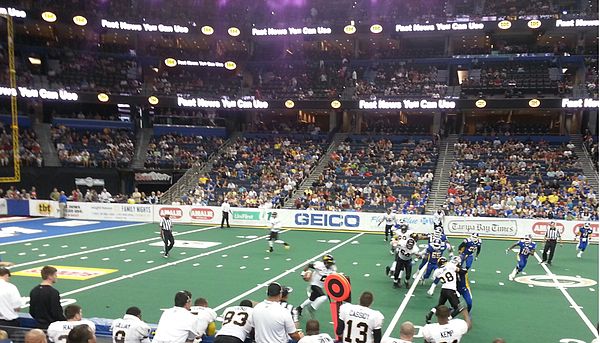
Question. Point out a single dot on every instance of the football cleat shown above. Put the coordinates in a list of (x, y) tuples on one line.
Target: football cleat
[(579, 254), (387, 270), (286, 246), (270, 249)]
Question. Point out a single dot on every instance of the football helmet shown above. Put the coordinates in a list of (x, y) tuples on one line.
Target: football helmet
[(328, 260), (527, 239), (586, 225), (456, 260), (442, 261), (475, 237), (436, 243), (410, 243)]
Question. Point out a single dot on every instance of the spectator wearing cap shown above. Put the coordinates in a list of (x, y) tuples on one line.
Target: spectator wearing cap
[(178, 324), (10, 300), (289, 307), (272, 322)]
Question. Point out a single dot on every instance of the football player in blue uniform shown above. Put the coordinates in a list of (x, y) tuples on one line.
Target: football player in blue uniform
[(526, 249), (584, 235), (434, 251), (469, 247)]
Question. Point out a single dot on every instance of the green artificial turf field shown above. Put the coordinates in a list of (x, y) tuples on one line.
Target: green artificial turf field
[(228, 265)]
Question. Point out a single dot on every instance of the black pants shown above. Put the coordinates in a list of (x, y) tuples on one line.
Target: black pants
[(401, 265), (451, 296), (388, 231), (168, 239), (227, 339), (225, 219), (550, 246)]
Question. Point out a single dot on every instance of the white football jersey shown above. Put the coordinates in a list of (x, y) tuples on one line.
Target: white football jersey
[(58, 331), (130, 329), (389, 219), (237, 322), (206, 315), (448, 275), (318, 338), (359, 322), (406, 254), (320, 273), (403, 236), (275, 224), (451, 332)]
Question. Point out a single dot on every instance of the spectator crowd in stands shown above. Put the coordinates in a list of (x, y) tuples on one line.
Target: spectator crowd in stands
[(174, 151), (30, 151), (519, 179), (372, 175), (262, 171), (81, 148)]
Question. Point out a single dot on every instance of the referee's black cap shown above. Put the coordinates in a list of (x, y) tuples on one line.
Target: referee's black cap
[(274, 289)]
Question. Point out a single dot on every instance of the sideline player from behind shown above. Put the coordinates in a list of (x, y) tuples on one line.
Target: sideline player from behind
[(584, 234), (58, 331), (275, 224), (206, 315), (130, 328), (526, 249), (313, 334), (166, 233), (407, 332), (320, 270), (446, 330), (237, 324), (360, 323)]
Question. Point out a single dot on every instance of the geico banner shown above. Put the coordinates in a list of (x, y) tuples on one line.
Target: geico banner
[(106, 211), (354, 221), (3, 207), (43, 208)]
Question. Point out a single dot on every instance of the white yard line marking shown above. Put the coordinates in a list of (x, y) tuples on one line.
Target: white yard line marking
[(72, 234), (144, 271), (107, 248), (405, 301), (289, 271), (571, 301)]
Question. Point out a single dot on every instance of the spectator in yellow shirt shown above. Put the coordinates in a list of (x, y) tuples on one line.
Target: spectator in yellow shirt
[(542, 198), (553, 198)]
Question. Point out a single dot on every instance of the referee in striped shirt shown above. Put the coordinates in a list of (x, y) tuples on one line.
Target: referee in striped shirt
[(166, 233), (552, 236)]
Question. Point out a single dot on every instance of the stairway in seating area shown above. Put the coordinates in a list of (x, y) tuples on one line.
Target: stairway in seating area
[(439, 188)]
